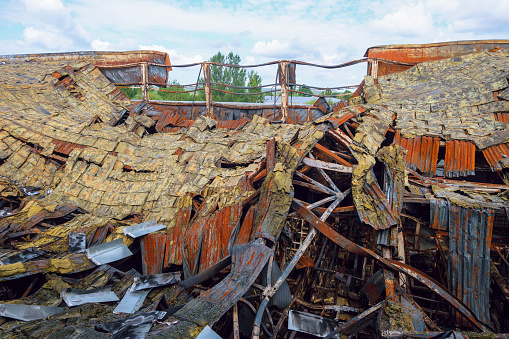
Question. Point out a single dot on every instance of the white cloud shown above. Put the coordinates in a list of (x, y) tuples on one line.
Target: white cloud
[(409, 20), (294, 49), (175, 58), (99, 45), (325, 32), (43, 5)]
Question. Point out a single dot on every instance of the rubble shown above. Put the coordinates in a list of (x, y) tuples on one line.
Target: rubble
[(386, 217)]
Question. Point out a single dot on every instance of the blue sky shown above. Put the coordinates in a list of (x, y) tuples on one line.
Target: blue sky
[(322, 32)]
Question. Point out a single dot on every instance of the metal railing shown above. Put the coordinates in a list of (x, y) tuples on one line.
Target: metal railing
[(283, 87)]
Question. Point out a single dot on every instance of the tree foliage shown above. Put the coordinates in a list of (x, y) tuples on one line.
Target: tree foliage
[(231, 76), (304, 89), (234, 76)]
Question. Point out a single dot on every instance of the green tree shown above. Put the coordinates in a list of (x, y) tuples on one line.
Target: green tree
[(255, 80), (232, 76), (304, 89)]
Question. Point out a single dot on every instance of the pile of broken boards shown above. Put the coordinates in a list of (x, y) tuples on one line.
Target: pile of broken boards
[(337, 227)]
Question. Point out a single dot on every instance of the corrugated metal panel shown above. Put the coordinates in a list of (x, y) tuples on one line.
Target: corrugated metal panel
[(439, 214), (502, 116), (494, 156), (469, 257), (153, 248), (65, 147), (459, 158), (422, 153)]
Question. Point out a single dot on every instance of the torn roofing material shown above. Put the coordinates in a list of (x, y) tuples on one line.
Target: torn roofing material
[(228, 202)]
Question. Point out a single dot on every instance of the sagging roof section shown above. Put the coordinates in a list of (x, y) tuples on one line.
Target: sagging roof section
[(329, 202)]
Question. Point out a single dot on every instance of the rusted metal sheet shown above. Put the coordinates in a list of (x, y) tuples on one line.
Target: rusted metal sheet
[(439, 214), (459, 158), (422, 152), (65, 147), (208, 237), (297, 114), (410, 55), (247, 262), (497, 156), (153, 249), (502, 116), (233, 124), (122, 68), (469, 251)]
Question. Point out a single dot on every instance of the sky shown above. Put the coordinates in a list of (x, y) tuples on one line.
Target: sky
[(325, 32)]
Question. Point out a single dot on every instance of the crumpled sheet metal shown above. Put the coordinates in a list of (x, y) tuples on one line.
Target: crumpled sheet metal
[(28, 312), (143, 228), (108, 252), (25, 255), (156, 280), (247, 262), (132, 300), (311, 324), (75, 297), (136, 326)]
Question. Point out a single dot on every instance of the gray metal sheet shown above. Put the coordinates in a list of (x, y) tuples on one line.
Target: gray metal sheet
[(74, 297), (311, 324), (143, 228), (28, 312), (77, 242), (155, 280), (208, 333), (108, 252), (134, 327), (132, 300), (23, 256)]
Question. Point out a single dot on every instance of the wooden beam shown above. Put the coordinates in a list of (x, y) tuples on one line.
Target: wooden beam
[(330, 154), (327, 165)]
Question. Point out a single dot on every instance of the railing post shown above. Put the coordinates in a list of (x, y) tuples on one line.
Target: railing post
[(374, 69), (144, 81), (208, 90), (283, 65)]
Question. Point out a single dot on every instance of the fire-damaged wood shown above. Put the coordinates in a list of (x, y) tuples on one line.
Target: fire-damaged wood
[(386, 217)]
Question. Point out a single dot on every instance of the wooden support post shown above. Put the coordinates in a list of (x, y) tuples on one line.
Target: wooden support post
[(208, 90), (374, 69), (401, 255), (144, 81), (271, 155), (284, 89)]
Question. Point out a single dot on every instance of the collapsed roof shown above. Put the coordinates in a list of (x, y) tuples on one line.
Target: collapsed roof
[(81, 164)]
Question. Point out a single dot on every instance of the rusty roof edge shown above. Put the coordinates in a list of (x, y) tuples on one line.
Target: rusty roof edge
[(436, 44), (103, 58)]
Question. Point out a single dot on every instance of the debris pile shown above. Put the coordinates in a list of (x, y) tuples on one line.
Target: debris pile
[(386, 218)]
